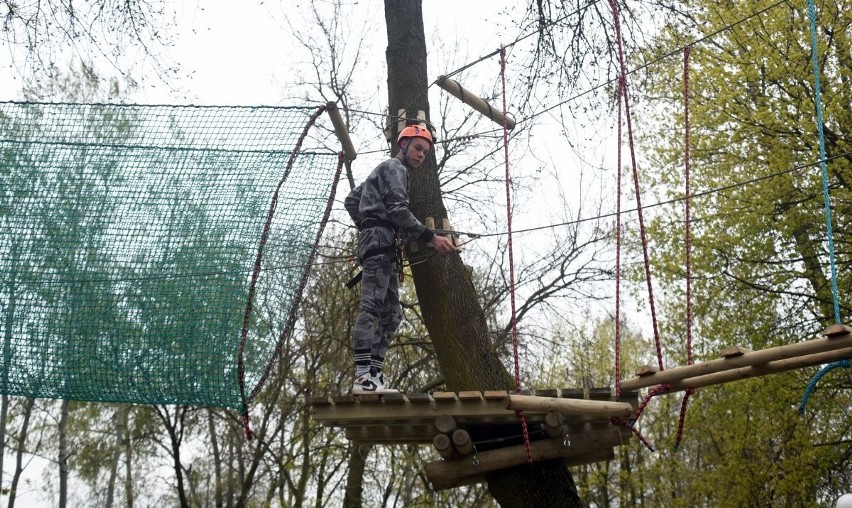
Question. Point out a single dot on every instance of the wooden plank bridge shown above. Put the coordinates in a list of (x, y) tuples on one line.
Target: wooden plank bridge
[(478, 432)]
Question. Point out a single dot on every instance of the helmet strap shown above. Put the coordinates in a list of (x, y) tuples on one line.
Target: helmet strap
[(405, 152)]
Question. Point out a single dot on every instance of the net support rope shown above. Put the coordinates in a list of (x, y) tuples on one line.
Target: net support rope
[(297, 297)]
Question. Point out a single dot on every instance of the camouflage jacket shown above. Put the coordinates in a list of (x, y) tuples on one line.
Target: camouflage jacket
[(381, 201)]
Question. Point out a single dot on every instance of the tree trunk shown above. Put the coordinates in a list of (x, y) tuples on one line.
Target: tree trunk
[(22, 446), (128, 461), (4, 416), (358, 453), (120, 426), (217, 458), (175, 431), (448, 301), (62, 457)]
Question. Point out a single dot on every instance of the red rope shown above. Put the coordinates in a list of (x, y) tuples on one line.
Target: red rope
[(651, 394), (682, 419), (618, 252), (618, 421), (687, 242), (614, 8), (256, 273), (511, 256)]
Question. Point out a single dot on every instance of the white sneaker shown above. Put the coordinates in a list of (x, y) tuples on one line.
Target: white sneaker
[(380, 381), (369, 384)]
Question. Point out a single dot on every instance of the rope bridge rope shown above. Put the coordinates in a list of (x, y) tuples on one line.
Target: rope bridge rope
[(129, 238)]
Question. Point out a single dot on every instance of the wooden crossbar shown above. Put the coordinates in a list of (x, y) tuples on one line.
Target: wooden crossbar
[(341, 131), (474, 101), (600, 408), (834, 341), (759, 370), (594, 446)]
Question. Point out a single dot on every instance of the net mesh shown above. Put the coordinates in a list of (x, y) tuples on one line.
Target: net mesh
[(129, 238)]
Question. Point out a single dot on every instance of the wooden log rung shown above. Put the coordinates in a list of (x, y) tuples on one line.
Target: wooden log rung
[(748, 359), (775, 367), (569, 406)]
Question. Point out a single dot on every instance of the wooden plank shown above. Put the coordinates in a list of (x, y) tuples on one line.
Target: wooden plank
[(573, 393), (418, 398), (422, 409), (394, 398), (647, 370), (470, 395), (578, 407), (789, 351), (547, 393), (732, 351), (494, 394), (442, 404), (392, 434), (369, 398), (837, 330), (444, 396), (320, 401)]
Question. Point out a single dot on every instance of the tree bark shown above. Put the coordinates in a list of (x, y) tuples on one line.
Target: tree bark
[(448, 301), (62, 457), (22, 446), (217, 458), (120, 428), (4, 416), (358, 453), (128, 462), (175, 431)]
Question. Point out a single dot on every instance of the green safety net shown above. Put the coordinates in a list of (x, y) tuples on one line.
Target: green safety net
[(130, 240)]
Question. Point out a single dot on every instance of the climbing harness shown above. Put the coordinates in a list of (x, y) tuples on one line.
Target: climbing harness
[(395, 248)]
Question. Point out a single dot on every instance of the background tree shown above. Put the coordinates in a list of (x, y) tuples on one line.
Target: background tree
[(761, 276)]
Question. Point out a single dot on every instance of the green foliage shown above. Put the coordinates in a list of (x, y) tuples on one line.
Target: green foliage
[(760, 273)]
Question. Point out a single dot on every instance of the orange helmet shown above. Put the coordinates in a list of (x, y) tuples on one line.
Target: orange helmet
[(415, 131)]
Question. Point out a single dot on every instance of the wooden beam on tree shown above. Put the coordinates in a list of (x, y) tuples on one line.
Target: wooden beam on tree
[(600, 455), (596, 408), (341, 130), (593, 446), (746, 359), (474, 101)]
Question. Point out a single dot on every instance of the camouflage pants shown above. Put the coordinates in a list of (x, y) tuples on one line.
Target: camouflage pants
[(379, 313)]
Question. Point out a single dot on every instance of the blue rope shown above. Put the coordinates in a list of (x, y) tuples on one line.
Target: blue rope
[(812, 385), (827, 200), (818, 95)]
